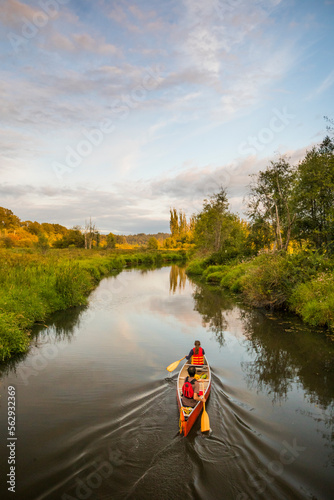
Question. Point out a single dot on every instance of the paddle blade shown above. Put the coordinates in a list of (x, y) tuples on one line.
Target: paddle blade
[(172, 366), (205, 422)]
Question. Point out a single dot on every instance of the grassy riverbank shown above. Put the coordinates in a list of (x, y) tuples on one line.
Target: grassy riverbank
[(33, 285), (302, 283)]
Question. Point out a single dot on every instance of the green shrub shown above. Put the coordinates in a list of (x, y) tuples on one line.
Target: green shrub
[(231, 278), (314, 300), (214, 277), (196, 267), (174, 256), (270, 284), (211, 270)]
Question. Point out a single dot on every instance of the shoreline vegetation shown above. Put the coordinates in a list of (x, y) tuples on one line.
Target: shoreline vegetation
[(302, 283), (34, 285)]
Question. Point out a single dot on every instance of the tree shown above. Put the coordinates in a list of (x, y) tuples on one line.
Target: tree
[(42, 243), (91, 234), (32, 227), (209, 223), (183, 226), (58, 229), (152, 243), (271, 201), (167, 243), (181, 231), (260, 234), (330, 124), (47, 228), (315, 195), (174, 223), (73, 237), (111, 241), (8, 220), (120, 239), (6, 241)]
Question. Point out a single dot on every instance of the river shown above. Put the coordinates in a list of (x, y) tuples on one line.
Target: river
[(96, 412)]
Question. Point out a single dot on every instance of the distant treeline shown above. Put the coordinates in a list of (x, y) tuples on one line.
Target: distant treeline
[(142, 238), (25, 234)]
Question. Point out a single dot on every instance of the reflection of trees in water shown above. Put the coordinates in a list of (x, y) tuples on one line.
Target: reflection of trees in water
[(328, 420), (271, 371), (212, 304), (272, 374), (10, 364), (177, 278), (147, 268), (60, 327), (287, 352)]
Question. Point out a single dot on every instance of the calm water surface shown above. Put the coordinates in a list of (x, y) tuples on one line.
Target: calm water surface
[(96, 410)]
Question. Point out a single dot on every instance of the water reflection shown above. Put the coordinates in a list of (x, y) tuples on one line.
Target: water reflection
[(177, 278), (214, 307), (60, 326), (287, 352)]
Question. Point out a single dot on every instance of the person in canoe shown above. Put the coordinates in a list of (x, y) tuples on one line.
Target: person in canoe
[(191, 389), (196, 354)]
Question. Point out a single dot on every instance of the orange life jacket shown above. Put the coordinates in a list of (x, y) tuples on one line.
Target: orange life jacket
[(197, 359)]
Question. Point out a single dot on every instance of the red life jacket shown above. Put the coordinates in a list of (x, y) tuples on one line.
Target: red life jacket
[(187, 389), (197, 359)]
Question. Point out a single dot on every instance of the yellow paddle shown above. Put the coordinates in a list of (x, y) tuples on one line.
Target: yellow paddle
[(205, 422), (172, 366)]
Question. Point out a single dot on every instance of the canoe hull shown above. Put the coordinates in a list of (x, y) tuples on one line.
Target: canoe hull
[(187, 423)]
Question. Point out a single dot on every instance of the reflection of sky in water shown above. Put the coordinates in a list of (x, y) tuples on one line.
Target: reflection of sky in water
[(142, 310)]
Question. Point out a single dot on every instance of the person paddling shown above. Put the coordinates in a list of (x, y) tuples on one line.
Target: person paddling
[(190, 389), (197, 354)]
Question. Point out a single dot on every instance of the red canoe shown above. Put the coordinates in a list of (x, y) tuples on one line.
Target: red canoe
[(187, 420)]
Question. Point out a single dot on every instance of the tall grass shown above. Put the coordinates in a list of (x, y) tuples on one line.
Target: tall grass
[(32, 285)]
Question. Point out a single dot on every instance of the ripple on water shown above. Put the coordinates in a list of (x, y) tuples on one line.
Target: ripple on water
[(213, 449)]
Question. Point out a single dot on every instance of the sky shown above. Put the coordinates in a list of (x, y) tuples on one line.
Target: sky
[(119, 110)]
